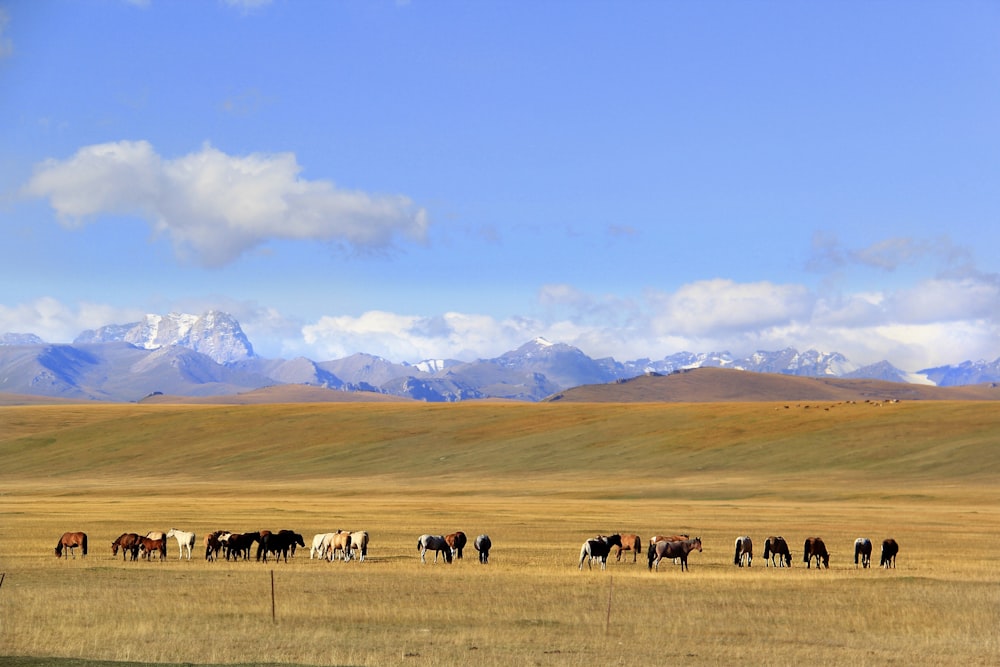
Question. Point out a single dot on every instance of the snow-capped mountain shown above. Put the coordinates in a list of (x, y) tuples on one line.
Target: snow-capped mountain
[(210, 354), (215, 334)]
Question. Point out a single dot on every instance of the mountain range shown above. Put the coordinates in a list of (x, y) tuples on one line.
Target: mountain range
[(209, 355)]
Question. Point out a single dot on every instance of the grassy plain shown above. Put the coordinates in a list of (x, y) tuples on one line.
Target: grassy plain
[(539, 479)]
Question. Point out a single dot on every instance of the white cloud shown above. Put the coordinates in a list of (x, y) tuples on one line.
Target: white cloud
[(56, 322), (214, 206)]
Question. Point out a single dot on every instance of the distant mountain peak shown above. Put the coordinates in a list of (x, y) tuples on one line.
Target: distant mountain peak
[(214, 333)]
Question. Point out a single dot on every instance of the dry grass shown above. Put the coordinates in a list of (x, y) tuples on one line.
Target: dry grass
[(531, 605)]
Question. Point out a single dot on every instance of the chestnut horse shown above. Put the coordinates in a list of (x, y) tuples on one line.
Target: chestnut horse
[(744, 551), (814, 547), (679, 549), (128, 543), (72, 541), (777, 546), (631, 543), (457, 542), (889, 551), (148, 545)]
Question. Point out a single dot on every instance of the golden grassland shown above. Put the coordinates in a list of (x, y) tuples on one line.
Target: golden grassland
[(539, 479)]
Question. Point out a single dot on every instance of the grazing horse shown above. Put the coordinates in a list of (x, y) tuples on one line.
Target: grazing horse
[(128, 543), (889, 551), (457, 542), (483, 546), (184, 539), (862, 552), (677, 549), (279, 544), (238, 545), (814, 547), (777, 546), (599, 547), (359, 543), (435, 543), (631, 543), (213, 544), (148, 545), (72, 541), (744, 551)]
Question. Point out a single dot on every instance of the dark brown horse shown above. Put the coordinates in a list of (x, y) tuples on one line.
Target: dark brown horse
[(148, 545), (631, 543), (777, 546), (457, 542), (889, 551), (744, 551), (279, 544), (814, 547), (128, 543), (72, 541), (679, 549)]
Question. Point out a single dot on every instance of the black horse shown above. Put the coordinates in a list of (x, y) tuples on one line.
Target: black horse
[(889, 551), (483, 546), (777, 546), (279, 544)]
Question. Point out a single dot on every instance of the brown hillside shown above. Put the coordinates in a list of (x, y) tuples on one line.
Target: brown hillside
[(712, 385)]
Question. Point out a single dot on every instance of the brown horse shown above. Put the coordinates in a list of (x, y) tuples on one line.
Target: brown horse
[(631, 543), (814, 547), (744, 551), (889, 551), (128, 543), (457, 542), (777, 546), (148, 545), (679, 549), (72, 541)]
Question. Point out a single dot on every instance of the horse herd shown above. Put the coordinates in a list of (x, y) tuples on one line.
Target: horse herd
[(347, 545)]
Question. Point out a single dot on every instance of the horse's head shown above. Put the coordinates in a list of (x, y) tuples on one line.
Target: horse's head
[(615, 540), (696, 543), (114, 548)]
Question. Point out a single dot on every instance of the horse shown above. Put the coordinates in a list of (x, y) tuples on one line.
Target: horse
[(677, 549), (317, 549), (889, 551), (483, 545), (158, 535), (128, 543), (213, 544), (435, 543), (744, 551), (599, 547), (667, 538), (148, 545), (631, 543), (339, 541), (777, 546), (72, 541), (279, 543), (457, 542), (238, 545), (184, 539), (814, 547), (359, 542), (862, 552)]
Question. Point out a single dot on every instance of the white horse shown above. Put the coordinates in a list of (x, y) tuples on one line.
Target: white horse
[(359, 543), (318, 549), (435, 543), (862, 552), (183, 540)]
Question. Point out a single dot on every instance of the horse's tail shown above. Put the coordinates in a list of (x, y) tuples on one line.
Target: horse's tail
[(83, 544), (806, 552), (736, 556)]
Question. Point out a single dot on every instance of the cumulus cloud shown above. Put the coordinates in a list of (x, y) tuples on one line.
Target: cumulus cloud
[(214, 207), (56, 322)]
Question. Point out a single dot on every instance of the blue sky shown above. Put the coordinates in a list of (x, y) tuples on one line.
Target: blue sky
[(431, 179)]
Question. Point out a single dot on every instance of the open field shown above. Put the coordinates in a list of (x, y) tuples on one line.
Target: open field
[(539, 479)]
